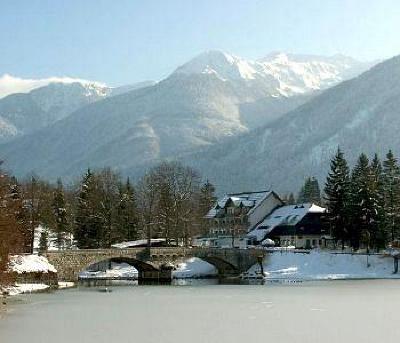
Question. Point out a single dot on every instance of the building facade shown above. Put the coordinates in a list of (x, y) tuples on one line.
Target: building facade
[(303, 226), (234, 215)]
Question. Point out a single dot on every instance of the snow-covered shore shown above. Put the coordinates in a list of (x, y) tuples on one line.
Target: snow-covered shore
[(23, 288), (25, 264), (317, 265)]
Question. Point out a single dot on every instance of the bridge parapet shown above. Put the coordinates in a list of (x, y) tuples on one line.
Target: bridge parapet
[(69, 263)]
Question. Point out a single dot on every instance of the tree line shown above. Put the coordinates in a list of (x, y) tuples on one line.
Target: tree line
[(170, 201), (102, 208), (364, 202)]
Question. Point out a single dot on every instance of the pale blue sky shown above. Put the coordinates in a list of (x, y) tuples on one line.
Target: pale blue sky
[(119, 41)]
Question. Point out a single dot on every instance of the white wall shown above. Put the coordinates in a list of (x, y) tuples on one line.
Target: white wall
[(302, 242)]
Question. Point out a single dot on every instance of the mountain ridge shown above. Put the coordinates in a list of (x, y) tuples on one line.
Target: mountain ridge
[(359, 115), (188, 111)]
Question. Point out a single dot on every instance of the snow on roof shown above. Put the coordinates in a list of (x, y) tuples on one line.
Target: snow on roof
[(30, 264), (247, 199), (285, 215)]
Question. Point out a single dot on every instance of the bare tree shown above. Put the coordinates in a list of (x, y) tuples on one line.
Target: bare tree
[(168, 196), (147, 201)]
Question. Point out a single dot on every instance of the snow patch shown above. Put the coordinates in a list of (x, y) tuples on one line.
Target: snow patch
[(318, 265), (25, 288), (30, 264), (117, 270), (194, 268), (294, 74), (65, 284)]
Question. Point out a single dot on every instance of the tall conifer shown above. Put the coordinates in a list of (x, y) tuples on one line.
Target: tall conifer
[(337, 196)]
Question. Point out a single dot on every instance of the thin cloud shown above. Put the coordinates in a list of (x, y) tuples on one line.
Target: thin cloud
[(10, 84)]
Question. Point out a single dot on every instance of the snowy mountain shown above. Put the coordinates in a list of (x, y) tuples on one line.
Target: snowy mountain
[(21, 113), (12, 85), (359, 115), (24, 113), (202, 104), (284, 74)]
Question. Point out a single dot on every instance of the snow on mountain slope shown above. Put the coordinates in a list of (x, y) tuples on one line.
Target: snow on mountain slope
[(10, 85), (359, 115), (225, 66), (175, 115), (203, 103), (24, 113), (289, 74)]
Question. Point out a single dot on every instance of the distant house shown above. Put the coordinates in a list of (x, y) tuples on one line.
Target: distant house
[(236, 214), (301, 226)]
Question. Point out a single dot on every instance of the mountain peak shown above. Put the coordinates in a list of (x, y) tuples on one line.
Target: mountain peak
[(291, 73), (223, 65)]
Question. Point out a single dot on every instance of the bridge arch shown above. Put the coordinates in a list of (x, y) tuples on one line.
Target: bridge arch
[(105, 264), (223, 266)]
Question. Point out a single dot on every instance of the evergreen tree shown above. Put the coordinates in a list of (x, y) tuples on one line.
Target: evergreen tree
[(378, 236), (60, 215), (365, 204), (43, 241), (32, 205), (106, 200), (391, 189), (310, 192), (291, 200), (337, 196), (128, 216), (88, 224), (206, 201)]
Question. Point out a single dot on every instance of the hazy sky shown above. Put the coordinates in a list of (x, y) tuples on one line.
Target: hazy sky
[(121, 41)]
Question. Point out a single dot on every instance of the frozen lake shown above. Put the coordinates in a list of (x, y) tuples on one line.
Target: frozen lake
[(331, 311)]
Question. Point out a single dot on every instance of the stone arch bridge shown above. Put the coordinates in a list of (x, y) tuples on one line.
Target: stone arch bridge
[(150, 262)]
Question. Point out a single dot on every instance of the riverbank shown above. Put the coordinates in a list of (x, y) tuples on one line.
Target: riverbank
[(24, 288), (31, 273), (320, 265)]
